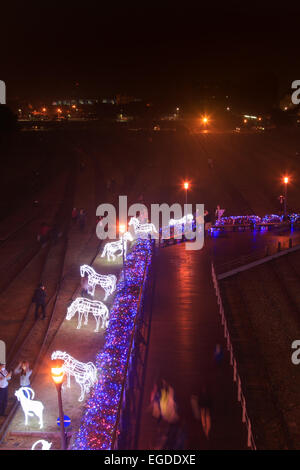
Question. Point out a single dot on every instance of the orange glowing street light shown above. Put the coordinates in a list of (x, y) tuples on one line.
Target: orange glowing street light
[(286, 181), (186, 186), (57, 374), (205, 120), (122, 228)]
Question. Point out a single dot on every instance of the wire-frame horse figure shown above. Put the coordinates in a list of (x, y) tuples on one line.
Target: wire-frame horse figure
[(85, 374), (113, 247), (107, 282), (85, 306)]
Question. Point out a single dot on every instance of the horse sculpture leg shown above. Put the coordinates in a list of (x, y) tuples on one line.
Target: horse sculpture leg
[(41, 419), (97, 318), (107, 293), (81, 392), (79, 320)]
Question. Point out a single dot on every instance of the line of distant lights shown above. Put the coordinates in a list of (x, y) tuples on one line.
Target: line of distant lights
[(101, 408), (256, 220)]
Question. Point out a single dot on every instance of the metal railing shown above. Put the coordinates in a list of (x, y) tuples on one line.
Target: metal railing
[(236, 377), (269, 250)]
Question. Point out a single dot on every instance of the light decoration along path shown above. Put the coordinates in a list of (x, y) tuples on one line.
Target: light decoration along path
[(256, 220), (106, 281), (99, 418)]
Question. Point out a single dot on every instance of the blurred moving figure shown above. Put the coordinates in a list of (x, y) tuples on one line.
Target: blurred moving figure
[(43, 233), (207, 221), (201, 405), (155, 400), (218, 354), (168, 405), (210, 163), (82, 219), (74, 215)]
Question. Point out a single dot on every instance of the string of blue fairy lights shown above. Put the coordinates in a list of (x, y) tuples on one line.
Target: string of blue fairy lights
[(99, 418)]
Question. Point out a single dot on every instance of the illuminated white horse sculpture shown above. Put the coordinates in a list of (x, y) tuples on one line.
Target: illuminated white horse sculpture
[(45, 444), (107, 282), (31, 407), (143, 229), (85, 374), (186, 219), (85, 306), (113, 247)]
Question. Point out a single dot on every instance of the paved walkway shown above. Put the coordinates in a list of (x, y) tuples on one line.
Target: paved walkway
[(184, 331)]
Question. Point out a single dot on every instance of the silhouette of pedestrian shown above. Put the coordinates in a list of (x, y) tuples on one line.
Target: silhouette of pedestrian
[(82, 219), (74, 215), (4, 378), (218, 354), (84, 286), (168, 405), (155, 400), (201, 406), (39, 299)]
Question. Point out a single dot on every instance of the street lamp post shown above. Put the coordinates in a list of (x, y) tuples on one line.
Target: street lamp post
[(122, 230), (285, 180), (58, 377), (186, 187)]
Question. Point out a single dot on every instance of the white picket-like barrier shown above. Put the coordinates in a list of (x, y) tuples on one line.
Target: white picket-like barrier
[(233, 363)]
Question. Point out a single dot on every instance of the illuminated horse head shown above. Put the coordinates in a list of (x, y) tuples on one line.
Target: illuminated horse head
[(142, 230), (85, 306), (31, 407), (85, 374), (107, 282), (113, 247)]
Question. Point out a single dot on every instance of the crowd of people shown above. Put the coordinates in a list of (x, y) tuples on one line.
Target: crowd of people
[(23, 369)]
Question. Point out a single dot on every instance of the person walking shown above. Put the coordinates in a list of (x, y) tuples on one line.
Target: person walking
[(39, 299), (218, 354), (210, 163), (168, 405), (4, 378), (82, 219), (74, 215), (219, 213), (201, 405), (25, 372), (207, 221), (155, 400), (84, 286)]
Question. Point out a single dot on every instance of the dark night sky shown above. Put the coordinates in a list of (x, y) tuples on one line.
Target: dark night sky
[(145, 49)]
